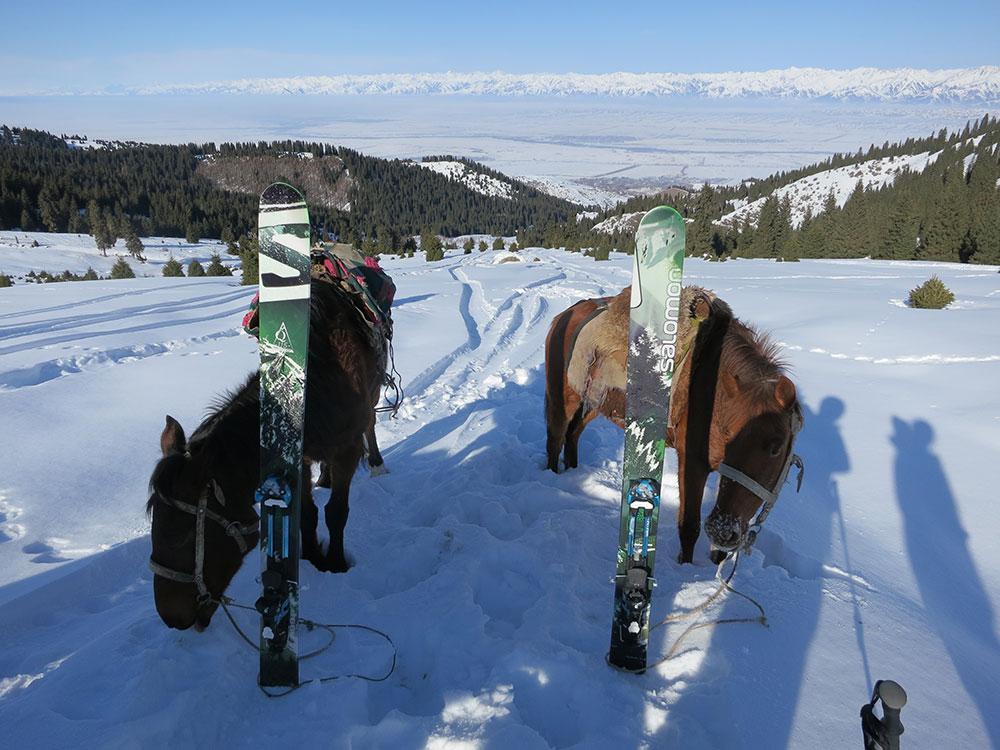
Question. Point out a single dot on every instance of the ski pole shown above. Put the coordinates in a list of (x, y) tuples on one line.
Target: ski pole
[(883, 734)]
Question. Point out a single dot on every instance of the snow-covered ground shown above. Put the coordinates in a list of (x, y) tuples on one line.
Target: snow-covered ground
[(23, 252), (491, 574)]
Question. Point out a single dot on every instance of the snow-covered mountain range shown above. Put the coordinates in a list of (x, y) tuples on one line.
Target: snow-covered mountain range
[(900, 84)]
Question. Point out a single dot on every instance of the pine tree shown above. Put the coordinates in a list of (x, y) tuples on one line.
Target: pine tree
[(215, 267), (899, 241), (173, 268), (386, 240), (134, 245), (700, 236), (941, 238), (772, 229), (498, 243), (122, 270), (103, 237), (984, 207), (430, 242), (249, 255), (229, 238), (368, 247), (195, 269)]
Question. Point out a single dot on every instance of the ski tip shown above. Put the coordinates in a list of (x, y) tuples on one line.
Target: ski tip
[(660, 214), (280, 195)]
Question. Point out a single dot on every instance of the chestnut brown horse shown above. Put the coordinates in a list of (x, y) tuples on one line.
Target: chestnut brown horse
[(732, 408), (202, 490)]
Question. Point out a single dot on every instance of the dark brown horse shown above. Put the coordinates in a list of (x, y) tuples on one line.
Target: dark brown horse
[(732, 409), (202, 490)]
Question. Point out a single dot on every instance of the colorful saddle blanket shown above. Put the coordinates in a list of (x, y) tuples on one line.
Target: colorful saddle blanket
[(372, 288)]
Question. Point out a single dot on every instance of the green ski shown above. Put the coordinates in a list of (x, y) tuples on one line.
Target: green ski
[(283, 234), (653, 328)]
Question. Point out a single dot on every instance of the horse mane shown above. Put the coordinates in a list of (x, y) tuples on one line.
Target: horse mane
[(216, 431), (224, 405), (753, 357)]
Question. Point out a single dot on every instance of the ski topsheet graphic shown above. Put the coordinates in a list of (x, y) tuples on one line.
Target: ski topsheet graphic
[(283, 234), (653, 328)]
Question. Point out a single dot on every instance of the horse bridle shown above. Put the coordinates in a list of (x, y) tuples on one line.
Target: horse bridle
[(234, 529), (770, 497)]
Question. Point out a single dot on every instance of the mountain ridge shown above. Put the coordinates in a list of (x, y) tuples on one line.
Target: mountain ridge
[(897, 84)]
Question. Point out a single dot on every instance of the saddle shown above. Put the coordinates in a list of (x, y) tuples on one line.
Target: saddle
[(370, 289)]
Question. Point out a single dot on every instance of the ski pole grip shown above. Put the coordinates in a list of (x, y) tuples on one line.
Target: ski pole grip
[(893, 699)]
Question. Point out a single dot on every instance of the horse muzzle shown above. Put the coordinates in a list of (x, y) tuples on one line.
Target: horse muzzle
[(726, 531)]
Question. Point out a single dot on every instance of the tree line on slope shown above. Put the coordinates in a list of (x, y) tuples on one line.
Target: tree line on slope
[(948, 212), (149, 190)]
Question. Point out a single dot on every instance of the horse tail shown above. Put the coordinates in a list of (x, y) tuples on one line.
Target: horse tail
[(555, 366)]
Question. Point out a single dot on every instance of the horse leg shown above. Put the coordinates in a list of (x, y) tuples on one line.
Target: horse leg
[(309, 522), (555, 433), (691, 480), (375, 461), (341, 467), (576, 425)]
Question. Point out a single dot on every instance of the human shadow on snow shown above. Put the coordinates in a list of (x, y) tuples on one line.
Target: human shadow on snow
[(740, 684), (955, 600)]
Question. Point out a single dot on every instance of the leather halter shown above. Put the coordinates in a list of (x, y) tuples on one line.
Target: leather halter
[(770, 497), (234, 529)]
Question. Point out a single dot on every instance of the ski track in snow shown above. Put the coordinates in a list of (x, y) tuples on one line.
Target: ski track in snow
[(492, 575), (49, 328)]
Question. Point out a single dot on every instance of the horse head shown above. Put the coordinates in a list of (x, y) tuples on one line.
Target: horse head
[(199, 540), (759, 422)]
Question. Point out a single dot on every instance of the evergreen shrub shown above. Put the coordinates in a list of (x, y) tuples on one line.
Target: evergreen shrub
[(931, 295), (122, 270)]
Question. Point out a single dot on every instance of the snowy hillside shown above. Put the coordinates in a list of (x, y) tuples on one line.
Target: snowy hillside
[(809, 194), (576, 192), (900, 84), (483, 184), (24, 252), (492, 575), (627, 222)]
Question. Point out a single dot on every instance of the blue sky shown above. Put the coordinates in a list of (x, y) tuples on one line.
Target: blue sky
[(99, 44)]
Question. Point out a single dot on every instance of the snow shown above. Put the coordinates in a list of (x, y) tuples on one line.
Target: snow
[(809, 194), (621, 223), (492, 575), (76, 253), (576, 192), (481, 183)]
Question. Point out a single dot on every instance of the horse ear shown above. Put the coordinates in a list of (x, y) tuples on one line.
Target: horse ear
[(701, 307), (730, 384), (784, 392), (172, 439)]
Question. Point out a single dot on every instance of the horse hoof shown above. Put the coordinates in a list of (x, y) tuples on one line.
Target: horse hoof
[(377, 471), (325, 565)]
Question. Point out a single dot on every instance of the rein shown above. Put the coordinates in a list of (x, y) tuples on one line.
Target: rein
[(234, 529), (238, 532), (770, 497)]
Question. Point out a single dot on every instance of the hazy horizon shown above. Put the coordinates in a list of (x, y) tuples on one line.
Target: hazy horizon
[(679, 139)]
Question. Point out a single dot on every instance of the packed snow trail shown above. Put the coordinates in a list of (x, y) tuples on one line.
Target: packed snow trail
[(491, 574)]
